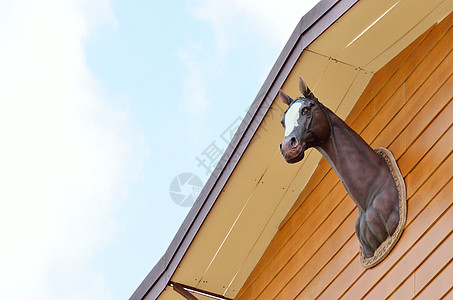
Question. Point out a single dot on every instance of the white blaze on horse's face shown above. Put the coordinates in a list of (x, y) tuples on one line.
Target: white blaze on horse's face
[(291, 117)]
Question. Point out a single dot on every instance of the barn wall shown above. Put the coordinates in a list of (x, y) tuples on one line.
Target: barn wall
[(406, 108)]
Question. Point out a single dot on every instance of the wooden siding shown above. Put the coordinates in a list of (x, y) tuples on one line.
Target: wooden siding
[(406, 108)]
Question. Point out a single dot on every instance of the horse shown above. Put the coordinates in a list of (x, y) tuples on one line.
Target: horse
[(363, 172)]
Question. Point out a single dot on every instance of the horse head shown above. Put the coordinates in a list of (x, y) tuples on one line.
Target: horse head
[(366, 175), (305, 122)]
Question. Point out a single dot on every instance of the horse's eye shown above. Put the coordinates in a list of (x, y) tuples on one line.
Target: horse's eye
[(282, 121), (305, 110)]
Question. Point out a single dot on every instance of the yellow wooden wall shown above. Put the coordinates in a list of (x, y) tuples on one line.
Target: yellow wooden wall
[(406, 108)]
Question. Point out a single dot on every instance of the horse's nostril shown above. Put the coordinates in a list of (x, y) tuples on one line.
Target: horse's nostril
[(293, 142)]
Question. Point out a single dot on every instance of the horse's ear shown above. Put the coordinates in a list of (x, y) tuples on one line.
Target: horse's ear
[(285, 98), (303, 87)]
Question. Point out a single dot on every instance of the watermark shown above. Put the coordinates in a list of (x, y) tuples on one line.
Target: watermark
[(185, 188)]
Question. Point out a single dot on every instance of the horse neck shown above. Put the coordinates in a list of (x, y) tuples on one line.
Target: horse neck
[(354, 161)]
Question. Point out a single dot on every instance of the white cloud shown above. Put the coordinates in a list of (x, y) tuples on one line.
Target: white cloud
[(274, 20), (194, 96), (65, 151), (220, 15)]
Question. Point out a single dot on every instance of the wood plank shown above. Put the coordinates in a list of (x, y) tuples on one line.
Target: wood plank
[(318, 203), (412, 131), (448, 295), (265, 198), (416, 204), (410, 65), (311, 202), (412, 259), (439, 287), (353, 93), (429, 268), (404, 71), (271, 227), (424, 222), (381, 77), (307, 240), (420, 75), (430, 188), (429, 63), (441, 150), (422, 120), (310, 199), (438, 89), (332, 269), (425, 141), (432, 266), (406, 290), (387, 112), (321, 171), (282, 237), (342, 282), (425, 273), (359, 124), (310, 263)]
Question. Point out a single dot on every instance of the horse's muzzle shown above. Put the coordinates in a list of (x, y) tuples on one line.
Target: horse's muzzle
[(291, 149)]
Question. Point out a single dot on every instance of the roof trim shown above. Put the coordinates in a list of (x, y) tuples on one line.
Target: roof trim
[(311, 25)]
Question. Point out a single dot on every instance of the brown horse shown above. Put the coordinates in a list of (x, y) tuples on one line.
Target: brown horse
[(365, 174)]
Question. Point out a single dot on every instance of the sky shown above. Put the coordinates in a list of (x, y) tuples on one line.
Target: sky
[(111, 113)]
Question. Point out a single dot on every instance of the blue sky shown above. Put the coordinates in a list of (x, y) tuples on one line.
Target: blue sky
[(102, 104)]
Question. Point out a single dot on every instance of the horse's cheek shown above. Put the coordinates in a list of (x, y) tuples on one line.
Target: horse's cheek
[(310, 140), (320, 127)]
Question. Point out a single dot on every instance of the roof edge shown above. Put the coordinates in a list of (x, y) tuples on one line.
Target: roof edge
[(311, 26)]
